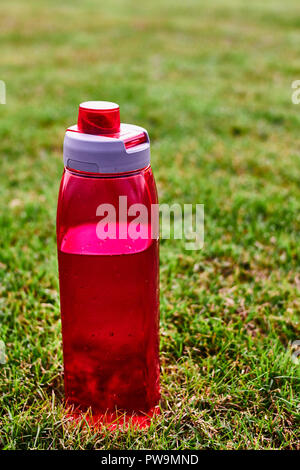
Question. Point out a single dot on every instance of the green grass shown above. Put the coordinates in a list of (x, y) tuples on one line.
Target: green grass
[(211, 81)]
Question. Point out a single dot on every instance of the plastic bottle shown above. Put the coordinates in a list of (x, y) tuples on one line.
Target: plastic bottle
[(109, 285)]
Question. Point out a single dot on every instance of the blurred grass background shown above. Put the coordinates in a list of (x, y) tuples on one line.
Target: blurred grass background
[(211, 81)]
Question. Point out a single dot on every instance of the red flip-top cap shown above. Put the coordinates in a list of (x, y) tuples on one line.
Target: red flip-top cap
[(99, 118)]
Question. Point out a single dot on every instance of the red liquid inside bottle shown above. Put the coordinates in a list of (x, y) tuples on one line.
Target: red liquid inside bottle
[(109, 291)]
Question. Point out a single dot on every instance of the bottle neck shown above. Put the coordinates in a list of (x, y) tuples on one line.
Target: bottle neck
[(85, 174)]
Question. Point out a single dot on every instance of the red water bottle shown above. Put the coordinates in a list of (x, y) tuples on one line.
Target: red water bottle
[(108, 274)]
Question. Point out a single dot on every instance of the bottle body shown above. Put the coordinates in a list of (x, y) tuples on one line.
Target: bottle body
[(109, 291)]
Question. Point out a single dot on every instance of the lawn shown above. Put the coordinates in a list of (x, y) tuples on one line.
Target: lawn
[(211, 81)]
